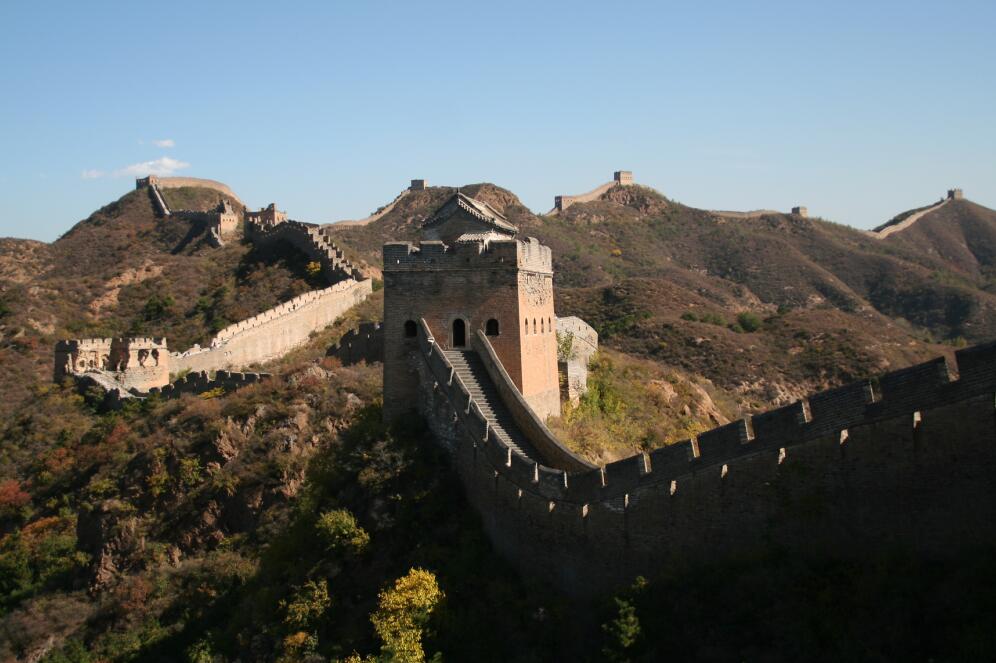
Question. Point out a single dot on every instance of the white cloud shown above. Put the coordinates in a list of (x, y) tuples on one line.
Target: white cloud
[(165, 142), (91, 174), (162, 166)]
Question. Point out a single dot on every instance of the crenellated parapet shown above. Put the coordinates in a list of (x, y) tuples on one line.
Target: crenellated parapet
[(892, 461), (201, 382), (275, 332), (528, 254)]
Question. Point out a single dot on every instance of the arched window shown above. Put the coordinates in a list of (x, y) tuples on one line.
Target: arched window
[(491, 327), (527, 325), (459, 333), (542, 326), (549, 324), (410, 329), (534, 325)]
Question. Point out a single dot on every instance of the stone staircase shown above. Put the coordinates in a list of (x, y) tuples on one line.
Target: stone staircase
[(470, 369), (314, 241)]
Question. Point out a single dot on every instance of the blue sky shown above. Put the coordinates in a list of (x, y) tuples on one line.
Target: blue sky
[(858, 110)]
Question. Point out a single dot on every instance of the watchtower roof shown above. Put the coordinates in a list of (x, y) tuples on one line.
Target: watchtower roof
[(478, 209)]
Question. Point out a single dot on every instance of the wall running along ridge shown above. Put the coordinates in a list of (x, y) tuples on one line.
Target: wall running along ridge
[(904, 461), (619, 178), (144, 364), (275, 332), (178, 182), (908, 221)]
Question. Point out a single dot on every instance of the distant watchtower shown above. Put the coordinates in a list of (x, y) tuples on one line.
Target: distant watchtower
[(146, 182), (470, 273), (623, 177), (801, 211), (419, 185), (955, 194)]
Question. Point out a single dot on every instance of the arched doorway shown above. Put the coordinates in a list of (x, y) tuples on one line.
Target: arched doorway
[(459, 333)]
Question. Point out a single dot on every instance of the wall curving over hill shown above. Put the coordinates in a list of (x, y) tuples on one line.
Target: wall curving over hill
[(905, 461), (275, 332), (179, 182)]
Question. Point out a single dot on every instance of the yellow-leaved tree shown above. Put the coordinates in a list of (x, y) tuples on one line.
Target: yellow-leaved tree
[(402, 612)]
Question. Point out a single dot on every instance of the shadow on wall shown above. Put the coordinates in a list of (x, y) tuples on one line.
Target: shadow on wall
[(366, 343), (902, 462)]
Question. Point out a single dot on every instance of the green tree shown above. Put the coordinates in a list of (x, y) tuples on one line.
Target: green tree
[(402, 612), (622, 631), (749, 322), (306, 606), (338, 528)]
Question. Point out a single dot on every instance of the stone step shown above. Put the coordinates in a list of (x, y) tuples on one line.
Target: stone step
[(471, 372)]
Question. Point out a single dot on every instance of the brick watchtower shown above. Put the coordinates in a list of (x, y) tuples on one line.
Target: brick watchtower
[(470, 273)]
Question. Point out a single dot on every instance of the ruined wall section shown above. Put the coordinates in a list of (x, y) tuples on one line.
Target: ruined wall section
[(275, 332), (577, 342), (133, 363), (903, 461)]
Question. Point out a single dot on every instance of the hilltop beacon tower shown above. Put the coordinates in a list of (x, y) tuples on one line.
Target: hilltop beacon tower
[(471, 273)]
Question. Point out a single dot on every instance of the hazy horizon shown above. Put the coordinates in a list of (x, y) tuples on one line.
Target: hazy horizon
[(856, 112)]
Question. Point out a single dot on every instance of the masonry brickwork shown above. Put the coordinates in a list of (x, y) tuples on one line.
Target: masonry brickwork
[(470, 274), (623, 177), (464, 287), (881, 465), (267, 217)]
